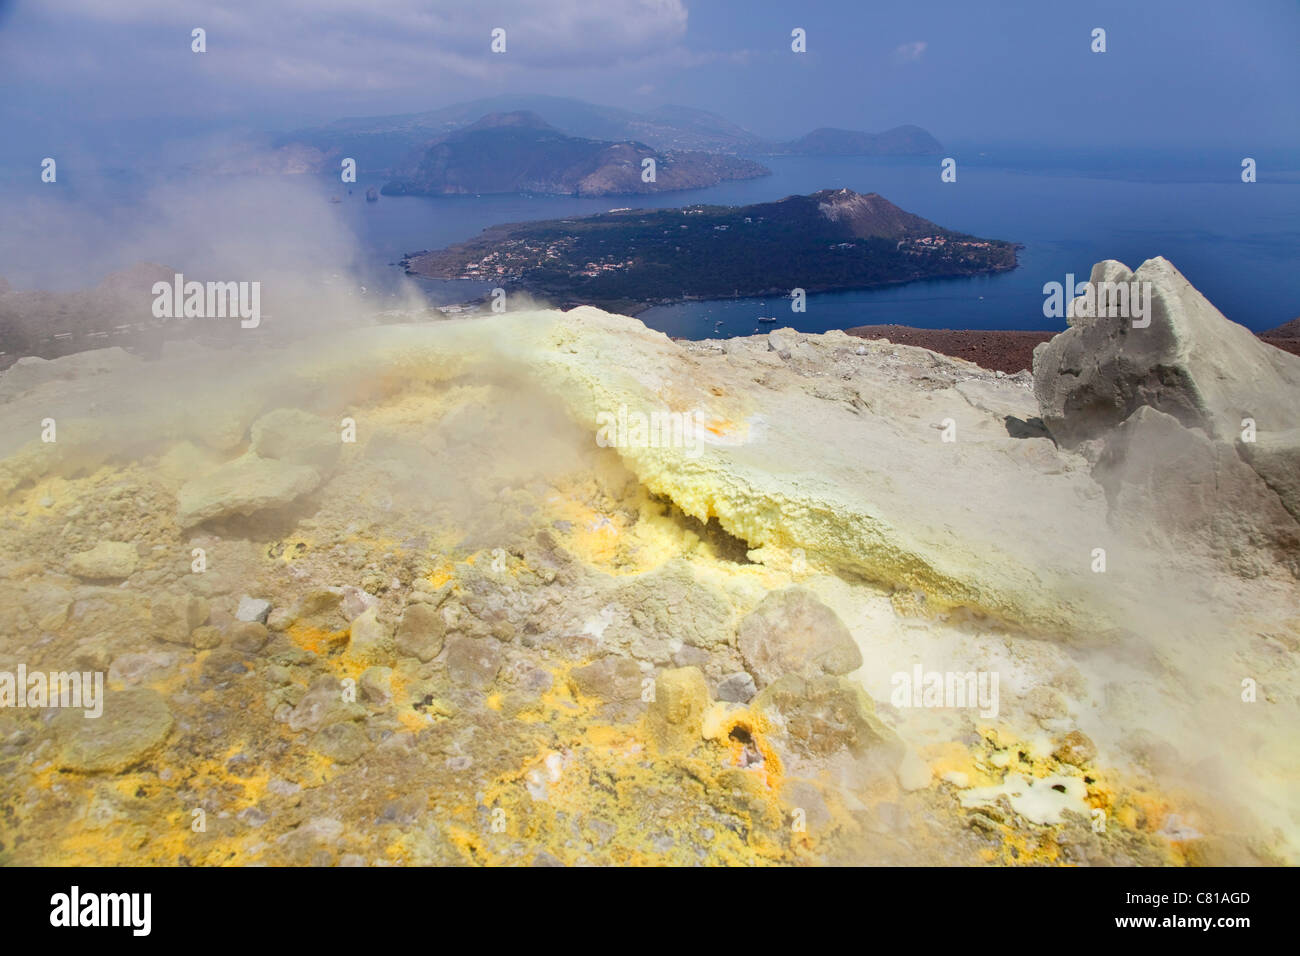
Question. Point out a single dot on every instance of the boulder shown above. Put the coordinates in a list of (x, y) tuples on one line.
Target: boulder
[(1189, 362), (1180, 489), (322, 705), (133, 726), (376, 684), (252, 609), (675, 720), (474, 661), (30, 371), (736, 688), (248, 637), (106, 561), (370, 642), (1275, 456), (612, 678), (245, 486), (175, 616), (421, 633), (298, 438), (342, 742), (820, 716), (791, 632)]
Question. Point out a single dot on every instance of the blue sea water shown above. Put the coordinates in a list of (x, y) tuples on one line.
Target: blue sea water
[(1236, 242)]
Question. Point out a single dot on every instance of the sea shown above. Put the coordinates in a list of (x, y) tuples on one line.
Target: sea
[(1237, 242)]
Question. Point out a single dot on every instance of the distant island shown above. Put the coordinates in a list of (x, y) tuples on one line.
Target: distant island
[(628, 260), (385, 145), (520, 153)]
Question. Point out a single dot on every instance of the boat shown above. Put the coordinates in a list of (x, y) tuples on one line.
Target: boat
[(766, 318)]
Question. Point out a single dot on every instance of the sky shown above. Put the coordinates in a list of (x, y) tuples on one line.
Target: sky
[(1184, 73)]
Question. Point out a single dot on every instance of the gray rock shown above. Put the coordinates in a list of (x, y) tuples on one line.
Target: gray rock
[(1275, 456), (1195, 493), (737, 688), (252, 817), (356, 601), (252, 609), (791, 632), (133, 726), (670, 604), (175, 616), (474, 662), (322, 705), (820, 716), (283, 788), (421, 633), (136, 668), (1190, 362)]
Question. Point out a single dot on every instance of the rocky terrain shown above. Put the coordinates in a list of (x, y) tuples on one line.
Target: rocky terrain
[(1000, 350), (382, 597)]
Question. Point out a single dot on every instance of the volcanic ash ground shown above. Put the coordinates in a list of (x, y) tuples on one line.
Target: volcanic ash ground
[(549, 588)]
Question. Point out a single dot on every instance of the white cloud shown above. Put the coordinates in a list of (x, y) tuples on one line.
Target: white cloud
[(561, 33), (910, 52), (319, 56)]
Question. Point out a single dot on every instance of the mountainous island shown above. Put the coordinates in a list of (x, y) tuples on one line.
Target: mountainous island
[(385, 144), (521, 153), (628, 259)]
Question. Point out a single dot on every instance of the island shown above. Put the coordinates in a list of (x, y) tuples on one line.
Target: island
[(627, 260), (519, 152)]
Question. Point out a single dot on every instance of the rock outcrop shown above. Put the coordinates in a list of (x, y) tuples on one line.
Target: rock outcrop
[(244, 486), (791, 632), (1197, 416)]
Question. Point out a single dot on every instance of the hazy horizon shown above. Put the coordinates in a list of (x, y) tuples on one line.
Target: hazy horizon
[(110, 79)]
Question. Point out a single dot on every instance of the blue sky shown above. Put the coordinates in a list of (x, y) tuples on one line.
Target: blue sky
[(1176, 74)]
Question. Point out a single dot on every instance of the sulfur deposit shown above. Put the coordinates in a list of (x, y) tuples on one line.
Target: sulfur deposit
[(382, 597)]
